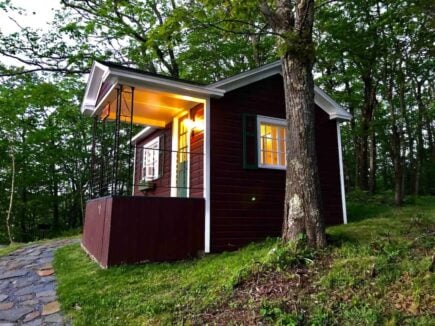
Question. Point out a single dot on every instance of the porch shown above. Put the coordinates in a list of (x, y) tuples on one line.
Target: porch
[(149, 171)]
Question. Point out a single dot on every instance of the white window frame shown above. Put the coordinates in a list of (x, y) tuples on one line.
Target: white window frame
[(271, 121), (154, 147)]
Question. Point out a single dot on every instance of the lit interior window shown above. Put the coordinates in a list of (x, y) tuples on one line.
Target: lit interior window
[(272, 144)]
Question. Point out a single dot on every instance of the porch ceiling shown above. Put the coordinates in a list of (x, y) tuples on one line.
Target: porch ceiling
[(150, 107)]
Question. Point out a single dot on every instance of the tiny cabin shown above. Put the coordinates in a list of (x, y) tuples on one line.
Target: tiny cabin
[(205, 164)]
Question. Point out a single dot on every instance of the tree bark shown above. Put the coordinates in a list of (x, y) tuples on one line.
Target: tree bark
[(366, 119), (420, 150), (396, 147), (303, 207)]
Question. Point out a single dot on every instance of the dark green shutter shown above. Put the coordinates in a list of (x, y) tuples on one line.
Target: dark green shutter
[(250, 155)]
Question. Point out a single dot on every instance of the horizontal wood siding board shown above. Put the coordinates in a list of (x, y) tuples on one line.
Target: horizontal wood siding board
[(232, 186), (136, 229)]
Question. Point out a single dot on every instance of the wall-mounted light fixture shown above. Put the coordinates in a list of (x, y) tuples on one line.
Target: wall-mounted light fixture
[(194, 125)]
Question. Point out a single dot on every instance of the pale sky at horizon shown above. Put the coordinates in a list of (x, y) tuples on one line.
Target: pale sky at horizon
[(38, 14)]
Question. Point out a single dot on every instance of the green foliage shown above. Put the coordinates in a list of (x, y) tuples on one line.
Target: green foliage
[(290, 254), (272, 313), (48, 137)]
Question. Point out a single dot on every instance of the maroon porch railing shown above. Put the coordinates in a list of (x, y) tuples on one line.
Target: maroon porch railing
[(125, 230)]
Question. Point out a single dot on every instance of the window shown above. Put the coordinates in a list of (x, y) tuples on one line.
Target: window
[(151, 156), (271, 133)]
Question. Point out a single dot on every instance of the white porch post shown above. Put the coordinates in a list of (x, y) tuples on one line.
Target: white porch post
[(206, 174), (340, 159)]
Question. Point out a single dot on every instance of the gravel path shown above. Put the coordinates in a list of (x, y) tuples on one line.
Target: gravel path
[(28, 286)]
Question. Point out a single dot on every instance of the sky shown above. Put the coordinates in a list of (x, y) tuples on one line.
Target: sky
[(38, 14)]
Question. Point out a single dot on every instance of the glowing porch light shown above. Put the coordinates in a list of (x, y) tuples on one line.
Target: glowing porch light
[(197, 125)]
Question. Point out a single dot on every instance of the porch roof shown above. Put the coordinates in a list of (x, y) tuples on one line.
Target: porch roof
[(166, 92)]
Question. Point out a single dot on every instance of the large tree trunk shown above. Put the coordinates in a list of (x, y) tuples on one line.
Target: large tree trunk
[(419, 132), (302, 209), (396, 147), (366, 119)]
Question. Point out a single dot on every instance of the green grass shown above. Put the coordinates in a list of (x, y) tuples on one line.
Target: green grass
[(142, 294), (378, 274), (10, 248)]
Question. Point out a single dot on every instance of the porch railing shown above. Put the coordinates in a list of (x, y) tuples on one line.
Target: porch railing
[(147, 169)]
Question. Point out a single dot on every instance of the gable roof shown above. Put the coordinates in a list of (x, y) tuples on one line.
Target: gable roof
[(116, 73), (335, 110)]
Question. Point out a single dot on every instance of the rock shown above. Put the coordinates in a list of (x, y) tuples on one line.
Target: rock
[(34, 322), (54, 318), (45, 272), (7, 324), (31, 302), (3, 297), (26, 297), (27, 290), (50, 308), (47, 279), (14, 314), (49, 293), (31, 316), (22, 282), (13, 274), (48, 299), (6, 305), (46, 266)]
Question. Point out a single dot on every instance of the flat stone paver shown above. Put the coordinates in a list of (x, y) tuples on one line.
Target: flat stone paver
[(28, 286)]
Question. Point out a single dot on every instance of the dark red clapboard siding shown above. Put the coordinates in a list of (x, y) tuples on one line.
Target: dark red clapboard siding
[(233, 187), (125, 230)]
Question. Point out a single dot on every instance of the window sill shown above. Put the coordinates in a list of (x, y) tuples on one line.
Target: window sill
[(271, 167)]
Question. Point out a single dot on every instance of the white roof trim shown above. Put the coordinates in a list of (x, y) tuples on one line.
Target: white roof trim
[(325, 102), (248, 77), (100, 73), (142, 134), (96, 78)]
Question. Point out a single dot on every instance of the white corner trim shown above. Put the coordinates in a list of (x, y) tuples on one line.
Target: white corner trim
[(340, 160), (174, 157), (134, 168), (206, 175)]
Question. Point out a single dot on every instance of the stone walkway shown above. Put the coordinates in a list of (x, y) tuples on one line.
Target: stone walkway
[(28, 286)]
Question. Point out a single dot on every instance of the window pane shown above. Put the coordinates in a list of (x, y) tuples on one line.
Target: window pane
[(272, 144)]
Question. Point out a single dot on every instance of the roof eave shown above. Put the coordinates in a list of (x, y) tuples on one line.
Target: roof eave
[(168, 85)]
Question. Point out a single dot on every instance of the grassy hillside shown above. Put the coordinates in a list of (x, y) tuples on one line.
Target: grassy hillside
[(376, 270)]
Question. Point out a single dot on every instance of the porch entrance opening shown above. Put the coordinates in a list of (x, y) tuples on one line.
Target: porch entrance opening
[(182, 158)]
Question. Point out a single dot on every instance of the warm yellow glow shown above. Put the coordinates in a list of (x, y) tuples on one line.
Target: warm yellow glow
[(197, 125), (272, 146)]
